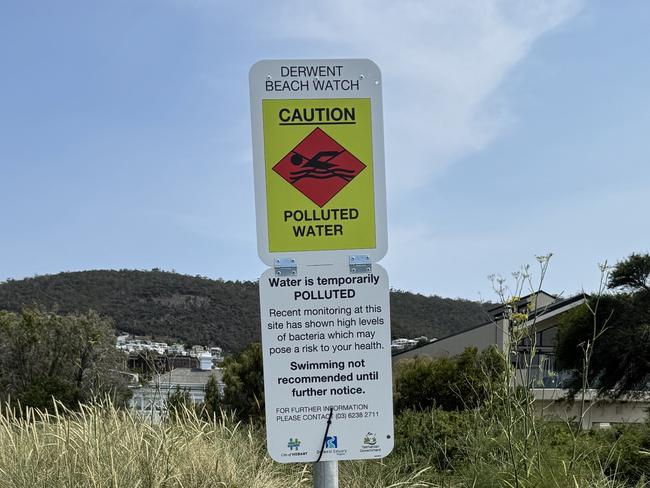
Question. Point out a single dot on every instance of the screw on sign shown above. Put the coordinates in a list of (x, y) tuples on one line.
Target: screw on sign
[(319, 167)]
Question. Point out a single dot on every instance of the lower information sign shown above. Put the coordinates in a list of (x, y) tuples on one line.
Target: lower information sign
[(326, 348)]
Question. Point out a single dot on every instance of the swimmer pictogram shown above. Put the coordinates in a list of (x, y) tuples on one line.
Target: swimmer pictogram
[(319, 167)]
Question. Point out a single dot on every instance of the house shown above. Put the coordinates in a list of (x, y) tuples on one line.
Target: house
[(151, 399), (544, 312), (402, 344), (533, 358)]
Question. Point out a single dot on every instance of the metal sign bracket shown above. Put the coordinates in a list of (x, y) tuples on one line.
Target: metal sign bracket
[(360, 264), (285, 267)]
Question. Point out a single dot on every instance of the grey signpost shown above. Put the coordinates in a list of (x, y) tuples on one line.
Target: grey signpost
[(326, 474), (318, 156)]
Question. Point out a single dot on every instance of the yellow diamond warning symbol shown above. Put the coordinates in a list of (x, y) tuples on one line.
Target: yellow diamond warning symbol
[(319, 175)]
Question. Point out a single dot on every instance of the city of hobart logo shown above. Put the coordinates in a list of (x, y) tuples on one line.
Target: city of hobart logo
[(319, 167), (293, 444)]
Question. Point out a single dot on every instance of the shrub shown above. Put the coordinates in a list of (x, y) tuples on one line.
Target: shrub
[(433, 436), (244, 383), (462, 382), (625, 451)]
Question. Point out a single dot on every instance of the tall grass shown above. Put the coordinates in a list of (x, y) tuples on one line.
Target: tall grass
[(100, 446), (475, 448)]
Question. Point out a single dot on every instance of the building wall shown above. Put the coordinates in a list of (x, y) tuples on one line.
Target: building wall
[(544, 300), (480, 337), (493, 333), (550, 403)]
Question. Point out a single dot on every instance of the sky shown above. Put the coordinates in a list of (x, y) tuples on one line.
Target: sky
[(512, 129)]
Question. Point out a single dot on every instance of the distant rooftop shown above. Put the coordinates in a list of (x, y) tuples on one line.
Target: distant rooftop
[(187, 376)]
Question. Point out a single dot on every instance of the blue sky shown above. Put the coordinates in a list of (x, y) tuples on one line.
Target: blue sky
[(512, 129)]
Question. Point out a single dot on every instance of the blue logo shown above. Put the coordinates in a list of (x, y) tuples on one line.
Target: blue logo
[(293, 444), (331, 442)]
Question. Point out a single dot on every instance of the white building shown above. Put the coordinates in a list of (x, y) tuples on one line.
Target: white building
[(402, 344), (151, 400)]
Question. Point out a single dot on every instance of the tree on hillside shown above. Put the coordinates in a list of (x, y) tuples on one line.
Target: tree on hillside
[(621, 355), (244, 383), (71, 358), (197, 310)]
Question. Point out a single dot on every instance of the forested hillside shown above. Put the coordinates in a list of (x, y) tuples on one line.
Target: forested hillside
[(199, 310)]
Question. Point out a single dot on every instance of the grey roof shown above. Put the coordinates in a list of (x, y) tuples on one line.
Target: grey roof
[(539, 314), (557, 304), (522, 300), (187, 377)]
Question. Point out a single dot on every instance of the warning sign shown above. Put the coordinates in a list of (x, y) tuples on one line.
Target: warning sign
[(319, 174), (319, 167), (327, 364)]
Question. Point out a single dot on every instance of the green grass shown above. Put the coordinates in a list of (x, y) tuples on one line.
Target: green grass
[(104, 447), (100, 446)]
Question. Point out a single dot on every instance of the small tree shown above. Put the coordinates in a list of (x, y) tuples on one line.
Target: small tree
[(632, 273), (620, 359), (71, 358), (213, 401), (244, 383), (179, 403), (413, 383)]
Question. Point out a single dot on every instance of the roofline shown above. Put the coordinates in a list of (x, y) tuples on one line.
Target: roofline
[(446, 337), (545, 310), (523, 298), (557, 305)]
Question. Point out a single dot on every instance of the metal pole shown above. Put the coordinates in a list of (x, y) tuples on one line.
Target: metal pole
[(326, 474)]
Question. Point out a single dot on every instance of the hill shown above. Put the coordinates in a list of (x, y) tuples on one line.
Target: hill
[(199, 310)]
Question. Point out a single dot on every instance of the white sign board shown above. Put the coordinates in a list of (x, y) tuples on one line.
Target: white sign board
[(318, 153), (326, 348)]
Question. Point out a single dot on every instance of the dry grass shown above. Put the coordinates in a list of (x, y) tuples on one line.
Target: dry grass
[(100, 446), (104, 447)]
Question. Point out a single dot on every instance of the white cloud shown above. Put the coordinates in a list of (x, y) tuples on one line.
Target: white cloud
[(442, 61)]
